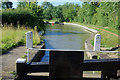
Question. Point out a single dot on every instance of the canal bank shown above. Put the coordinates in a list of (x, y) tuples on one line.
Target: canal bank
[(88, 45), (106, 41), (89, 29)]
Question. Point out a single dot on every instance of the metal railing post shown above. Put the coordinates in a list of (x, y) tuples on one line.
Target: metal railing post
[(28, 56)]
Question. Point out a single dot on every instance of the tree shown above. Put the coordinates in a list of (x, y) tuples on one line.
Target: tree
[(69, 12), (22, 4), (37, 12), (48, 7), (7, 4), (57, 13)]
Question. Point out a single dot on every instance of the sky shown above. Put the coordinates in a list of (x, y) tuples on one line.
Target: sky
[(54, 2)]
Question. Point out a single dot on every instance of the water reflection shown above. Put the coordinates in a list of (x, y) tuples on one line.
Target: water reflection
[(64, 37)]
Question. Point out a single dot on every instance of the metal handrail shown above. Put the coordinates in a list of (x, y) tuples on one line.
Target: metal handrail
[(72, 50)]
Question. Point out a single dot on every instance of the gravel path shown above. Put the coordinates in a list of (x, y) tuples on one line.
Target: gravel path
[(8, 61)]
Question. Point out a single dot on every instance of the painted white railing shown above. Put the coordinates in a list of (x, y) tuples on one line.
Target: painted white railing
[(97, 43)]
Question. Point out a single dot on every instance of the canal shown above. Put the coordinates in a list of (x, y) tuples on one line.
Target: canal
[(64, 37)]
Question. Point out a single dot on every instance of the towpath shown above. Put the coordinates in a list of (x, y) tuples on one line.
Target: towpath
[(8, 61)]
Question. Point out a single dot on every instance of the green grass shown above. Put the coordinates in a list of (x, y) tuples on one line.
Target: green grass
[(111, 29), (12, 37), (108, 40)]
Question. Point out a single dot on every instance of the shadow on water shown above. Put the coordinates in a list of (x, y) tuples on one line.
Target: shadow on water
[(45, 58), (57, 33), (78, 33)]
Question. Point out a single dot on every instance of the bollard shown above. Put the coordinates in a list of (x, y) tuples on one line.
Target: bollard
[(29, 42), (29, 39), (21, 68), (97, 42)]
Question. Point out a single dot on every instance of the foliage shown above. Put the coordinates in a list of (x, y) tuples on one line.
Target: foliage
[(22, 4), (48, 7), (20, 15), (57, 14), (30, 15), (37, 12), (7, 4), (96, 13), (13, 73), (69, 12)]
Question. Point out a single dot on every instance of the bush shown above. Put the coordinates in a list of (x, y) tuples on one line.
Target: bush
[(15, 15), (23, 16)]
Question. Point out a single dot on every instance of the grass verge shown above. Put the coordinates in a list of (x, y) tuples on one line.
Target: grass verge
[(12, 37), (108, 40)]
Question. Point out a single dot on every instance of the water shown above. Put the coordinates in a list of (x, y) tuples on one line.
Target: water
[(64, 37)]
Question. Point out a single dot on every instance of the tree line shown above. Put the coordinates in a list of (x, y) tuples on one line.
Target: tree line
[(96, 13)]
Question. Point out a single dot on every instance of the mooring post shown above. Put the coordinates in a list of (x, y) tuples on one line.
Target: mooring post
[(29, 43), (21, 68), (97, 42)]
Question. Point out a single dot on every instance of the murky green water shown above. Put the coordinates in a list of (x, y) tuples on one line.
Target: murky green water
[(64, 37)]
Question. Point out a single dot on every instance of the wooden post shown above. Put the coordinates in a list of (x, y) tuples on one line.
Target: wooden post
[(66, 64), (21, 69)]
